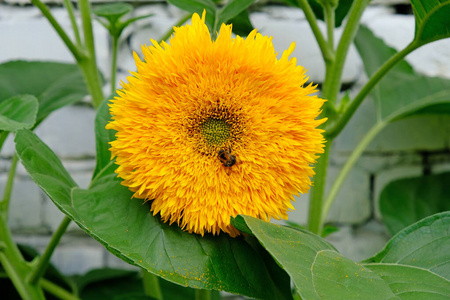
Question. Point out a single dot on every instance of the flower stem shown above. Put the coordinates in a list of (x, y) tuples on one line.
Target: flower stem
[(115, 42), (353, 106), (179, 23), (348, 166), (44, 260), (330, 21), (15, 266), (317, 192), (56, 290), (151, 285), (70, 10), (89, 65), (327, 52), (332, 83), (202, 294), (4, 207), (76, 52)]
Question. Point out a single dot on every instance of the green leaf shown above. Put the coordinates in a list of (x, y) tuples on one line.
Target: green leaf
[(126, 228), (53, 84), (402, 92), (425, 244), (197, 6), (406, 201), (337, 277), (112, 11), (18, 112), (242, 25), (411, 282), (432, 20), (295, 250), (44, 167), (103, 137), (232, 9), (340, 13)]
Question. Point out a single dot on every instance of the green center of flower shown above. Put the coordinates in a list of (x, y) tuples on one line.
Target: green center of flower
[(215, 131)]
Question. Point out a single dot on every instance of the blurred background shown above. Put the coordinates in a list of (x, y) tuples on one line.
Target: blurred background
[(26, 35)]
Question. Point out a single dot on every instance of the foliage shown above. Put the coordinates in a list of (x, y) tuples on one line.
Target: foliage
[(264, 261)]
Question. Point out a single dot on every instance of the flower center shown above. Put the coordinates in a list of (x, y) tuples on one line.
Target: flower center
[(215, 131)]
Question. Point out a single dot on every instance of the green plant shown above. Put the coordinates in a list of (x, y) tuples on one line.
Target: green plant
[(263, 263)]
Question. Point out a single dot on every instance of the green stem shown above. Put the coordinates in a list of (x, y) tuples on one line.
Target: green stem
[(39, 270), (56, 290), (327, 52), (89, 65), (151, 285), (330, 21), (70, 10), (76, 52), (15, 266), (179, 23), (317, 192), (115, 42), (332, 83), (348, 166), (4, 207), (353, 106), (202, 294)]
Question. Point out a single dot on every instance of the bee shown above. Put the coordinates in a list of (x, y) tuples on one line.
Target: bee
[(226, 158)]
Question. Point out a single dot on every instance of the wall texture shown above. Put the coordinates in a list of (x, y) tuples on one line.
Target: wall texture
[(25, 34)]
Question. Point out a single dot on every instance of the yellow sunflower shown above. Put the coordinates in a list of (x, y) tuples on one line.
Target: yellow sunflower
[(209, 129)]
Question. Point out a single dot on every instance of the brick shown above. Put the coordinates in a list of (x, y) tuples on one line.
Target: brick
[(361, 243), (352, 203), (25, 209)]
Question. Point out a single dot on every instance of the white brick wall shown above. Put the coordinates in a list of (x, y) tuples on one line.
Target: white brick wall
[(25, 34)]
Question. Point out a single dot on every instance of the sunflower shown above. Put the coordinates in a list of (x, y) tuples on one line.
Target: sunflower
[(209, 129)]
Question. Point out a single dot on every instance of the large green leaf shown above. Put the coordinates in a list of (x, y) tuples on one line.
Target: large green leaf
[(432, 20), (122, 284), (402, 92), (126, 228), (294, 250), (425, 244), (412, 283), (337, 277), (53, 84), (102, 138), (232, 9), (341, 10), (197, 6), (406, 201), (18, 112)]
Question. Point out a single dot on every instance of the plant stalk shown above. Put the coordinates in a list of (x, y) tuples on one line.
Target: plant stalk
[(151, 285), (332, 83), (15, 266), (89, 65), (327, 52), (348, 166), (317, 192), (70, 10), (76, 52), (56, 290), (4, 207), (330, 21), (39, 270), (115, 43), (374, 79)]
